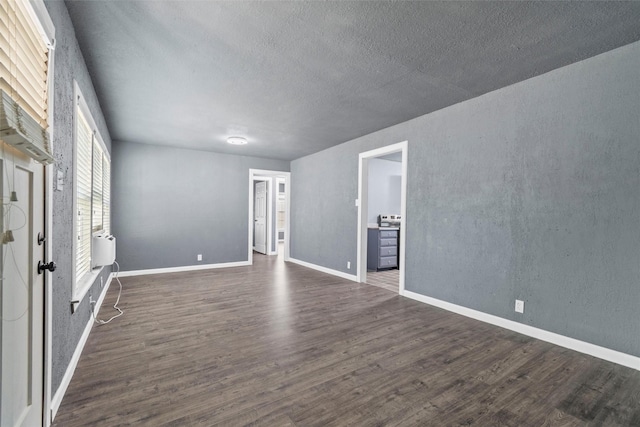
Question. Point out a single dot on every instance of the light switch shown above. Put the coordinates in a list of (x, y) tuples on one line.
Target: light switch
[(59, 180)]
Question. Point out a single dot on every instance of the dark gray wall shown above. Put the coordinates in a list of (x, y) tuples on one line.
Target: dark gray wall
[(69, 65), (530, 192), (385, 187), (324, 187), (170, 204)]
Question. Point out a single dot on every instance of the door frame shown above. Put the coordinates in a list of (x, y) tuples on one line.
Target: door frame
[(48, 296), (363, 206), (276, 191), (255, 174)]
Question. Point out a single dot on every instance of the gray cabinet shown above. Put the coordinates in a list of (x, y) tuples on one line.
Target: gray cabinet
[(382, 248)]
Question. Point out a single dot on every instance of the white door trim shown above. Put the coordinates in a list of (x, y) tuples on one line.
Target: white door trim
[(363, 203), (48, 295), (276, 191), (253, 175)]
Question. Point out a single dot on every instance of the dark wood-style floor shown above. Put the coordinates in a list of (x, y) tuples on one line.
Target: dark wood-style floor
[(277, 344), (386, 279)]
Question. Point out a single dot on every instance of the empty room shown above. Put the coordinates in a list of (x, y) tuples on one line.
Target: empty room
[(319, 213)]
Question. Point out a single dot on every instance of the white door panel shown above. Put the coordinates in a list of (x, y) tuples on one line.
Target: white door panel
[(260, 217), (22, 292)]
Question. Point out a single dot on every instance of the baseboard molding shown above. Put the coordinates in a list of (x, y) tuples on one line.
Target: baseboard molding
[(56, 400), (185, 268), (604, 353), (347, 276)]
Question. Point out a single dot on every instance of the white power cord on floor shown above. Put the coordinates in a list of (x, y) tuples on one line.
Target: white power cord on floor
[(104, 322)]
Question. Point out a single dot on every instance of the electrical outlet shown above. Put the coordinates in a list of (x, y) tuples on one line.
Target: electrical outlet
[(348, 265), (101, 282), (199, 257), (92, 303), (519, 306)]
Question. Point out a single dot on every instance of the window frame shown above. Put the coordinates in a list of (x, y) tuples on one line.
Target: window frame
[(82, 284)]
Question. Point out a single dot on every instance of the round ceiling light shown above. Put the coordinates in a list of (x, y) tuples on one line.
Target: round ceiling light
[(237, 140)]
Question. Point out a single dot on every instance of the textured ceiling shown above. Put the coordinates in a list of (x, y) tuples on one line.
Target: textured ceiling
[(297, 77)]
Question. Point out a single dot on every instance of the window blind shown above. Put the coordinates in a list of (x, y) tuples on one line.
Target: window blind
[(84, 146), (106, 195), (24, 63), (96, 210)]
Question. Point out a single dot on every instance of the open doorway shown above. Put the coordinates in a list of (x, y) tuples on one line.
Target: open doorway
[(382, 185), (269, 213)]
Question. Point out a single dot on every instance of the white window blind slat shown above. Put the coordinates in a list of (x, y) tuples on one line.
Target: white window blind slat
[(26, 16), (31, 69), (27, 103), (29, 42), (4, 63), (36, 61), (32, 97), (4, 33)]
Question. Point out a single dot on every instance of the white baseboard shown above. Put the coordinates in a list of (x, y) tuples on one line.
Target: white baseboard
[(614, 356), (185, 268), (56, 400), (347, 276)]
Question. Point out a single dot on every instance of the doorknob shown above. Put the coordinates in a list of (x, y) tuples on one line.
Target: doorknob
[(42, 267)]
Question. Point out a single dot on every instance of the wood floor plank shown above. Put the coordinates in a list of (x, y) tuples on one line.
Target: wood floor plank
[(278, 344)]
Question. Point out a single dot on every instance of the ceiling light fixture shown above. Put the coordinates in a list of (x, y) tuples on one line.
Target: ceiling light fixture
[(237, 140)]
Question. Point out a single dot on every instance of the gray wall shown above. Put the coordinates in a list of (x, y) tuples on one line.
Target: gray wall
[(69, 65), (170, 204), (530, 192), (385, 183)]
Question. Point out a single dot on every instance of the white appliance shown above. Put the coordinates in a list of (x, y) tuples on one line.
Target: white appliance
[(389, 220), (104, 250)]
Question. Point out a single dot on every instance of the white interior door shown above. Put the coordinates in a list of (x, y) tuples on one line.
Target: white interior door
[(260, 217), (21, 291)]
